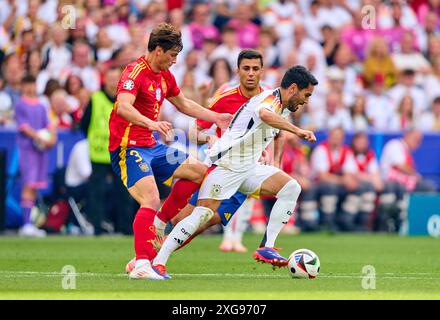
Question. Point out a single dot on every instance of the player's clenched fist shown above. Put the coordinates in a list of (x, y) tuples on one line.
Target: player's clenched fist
[(307, 135)]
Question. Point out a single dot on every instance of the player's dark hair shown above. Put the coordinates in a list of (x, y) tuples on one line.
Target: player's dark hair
[(249, 54), (165, 36), (436, 100), (300, 76)]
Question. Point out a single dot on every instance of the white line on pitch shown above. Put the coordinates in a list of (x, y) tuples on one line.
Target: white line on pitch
[(388, 275)]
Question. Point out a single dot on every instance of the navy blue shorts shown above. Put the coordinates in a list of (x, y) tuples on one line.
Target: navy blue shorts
[(228, 206), (133, 163)]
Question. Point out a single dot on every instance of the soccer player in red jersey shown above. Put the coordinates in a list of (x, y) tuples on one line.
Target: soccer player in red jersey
[(136, 156)]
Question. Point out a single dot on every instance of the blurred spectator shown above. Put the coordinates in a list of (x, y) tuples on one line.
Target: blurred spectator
[(344, 60), (37, 135), (6, 108), (205, 54), (310, 21), (396, 14), (359, 115), (56, 53), (378, 60), (330, 43), (303, 47), (431, 82), (430, 120), (79, 95), (220, 73), (79, 33), (200, 27), (357, 37), (177, 18), (379, 105), (104, 184), (81, 66), (105, 46), (60, 109), (116, 29), (429, 28), (225, 10), (229, 48), (334, 13), (267, 47), (335, 114), (369, 178), (34, 68), (191, 64), (407, 86), (403, 118), (433, 48), (399, 172), (397, 163), (408, 57), (13, 70), (334, 169), (247, 31), (426, 8)]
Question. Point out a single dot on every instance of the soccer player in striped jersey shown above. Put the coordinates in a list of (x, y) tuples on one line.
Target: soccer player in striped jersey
[(229, 100), (136, 156), (235, 156)]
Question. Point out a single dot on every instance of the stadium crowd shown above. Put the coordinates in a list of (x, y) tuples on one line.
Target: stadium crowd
[(377, 63)]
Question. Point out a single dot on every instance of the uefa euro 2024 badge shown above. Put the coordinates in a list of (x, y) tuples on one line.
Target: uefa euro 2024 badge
[(158, 94), (128, 84)]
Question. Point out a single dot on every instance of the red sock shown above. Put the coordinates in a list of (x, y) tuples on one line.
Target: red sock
[(144, 234), (177, 200)]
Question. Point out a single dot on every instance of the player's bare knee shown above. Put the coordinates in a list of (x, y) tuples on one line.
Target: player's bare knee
[(150, 202)]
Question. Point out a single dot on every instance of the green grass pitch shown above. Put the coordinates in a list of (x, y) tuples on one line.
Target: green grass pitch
[(406, 268)]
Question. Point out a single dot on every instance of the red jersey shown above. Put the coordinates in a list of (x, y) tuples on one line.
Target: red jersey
[(150, 89), (227, 102)]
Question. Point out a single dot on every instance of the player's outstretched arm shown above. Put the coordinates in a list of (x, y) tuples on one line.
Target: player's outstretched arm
[(125, 109), (193, 109), (278, 122)]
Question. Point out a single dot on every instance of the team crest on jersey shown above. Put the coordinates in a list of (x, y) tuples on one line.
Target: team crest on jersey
[(128, 84), (158, 94), (216, 189), (143, 166)]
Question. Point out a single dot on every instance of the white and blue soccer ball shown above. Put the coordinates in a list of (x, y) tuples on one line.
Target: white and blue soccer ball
[(304, 263)]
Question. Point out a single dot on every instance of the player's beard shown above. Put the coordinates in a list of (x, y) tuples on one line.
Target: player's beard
[(293, 105)]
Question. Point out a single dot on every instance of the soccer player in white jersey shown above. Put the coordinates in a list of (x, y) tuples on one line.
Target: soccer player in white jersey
[(236, 156)]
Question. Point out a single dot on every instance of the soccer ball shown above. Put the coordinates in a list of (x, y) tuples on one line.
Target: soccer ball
[(304, 263)]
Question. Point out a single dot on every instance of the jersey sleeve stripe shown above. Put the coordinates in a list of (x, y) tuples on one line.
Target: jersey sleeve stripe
[(135, 69), (139, 67), (227, 93)]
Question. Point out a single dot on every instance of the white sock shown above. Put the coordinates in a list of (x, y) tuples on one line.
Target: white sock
[(160, 226), (281, 211), (182, 231)]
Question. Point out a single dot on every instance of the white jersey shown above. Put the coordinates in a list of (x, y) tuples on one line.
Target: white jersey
[(241, 146)]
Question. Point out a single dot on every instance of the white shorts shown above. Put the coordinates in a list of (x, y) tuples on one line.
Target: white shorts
[(222, 183)]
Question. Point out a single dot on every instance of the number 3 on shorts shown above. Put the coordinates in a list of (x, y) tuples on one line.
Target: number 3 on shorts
[(137, 155)]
